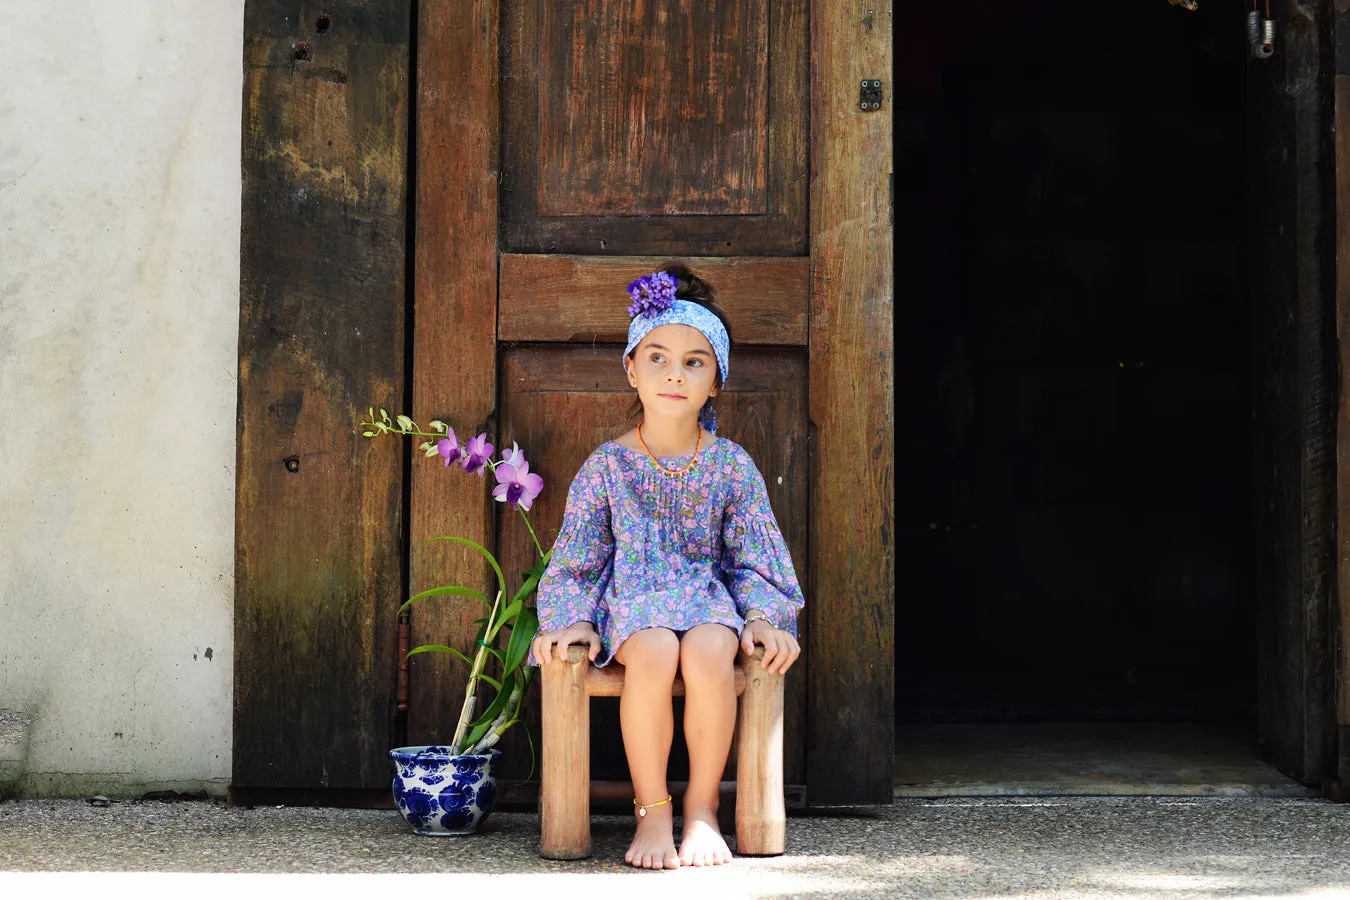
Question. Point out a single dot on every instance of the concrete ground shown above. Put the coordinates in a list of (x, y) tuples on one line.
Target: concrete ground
[(1116, 758), (1000, 847)]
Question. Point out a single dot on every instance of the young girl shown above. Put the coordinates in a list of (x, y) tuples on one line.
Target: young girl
[(669, 559)]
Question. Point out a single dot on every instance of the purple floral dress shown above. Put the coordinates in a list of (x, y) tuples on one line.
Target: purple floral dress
[(639, 549)]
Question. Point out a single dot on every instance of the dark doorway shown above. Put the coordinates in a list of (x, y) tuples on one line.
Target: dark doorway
[(1074, 468)]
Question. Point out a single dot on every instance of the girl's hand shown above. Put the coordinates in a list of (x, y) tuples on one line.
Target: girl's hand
[(576, 633), (780, 648)]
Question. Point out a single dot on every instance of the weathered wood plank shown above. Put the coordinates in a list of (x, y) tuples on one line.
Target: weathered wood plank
[(1292, 395), (853, 414), (561, 402), (653, 109), (318, 508), (454, 346), (582, 299), (668, 158), (1342, 150)]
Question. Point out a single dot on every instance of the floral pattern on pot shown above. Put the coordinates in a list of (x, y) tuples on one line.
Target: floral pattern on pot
[(440, 794)]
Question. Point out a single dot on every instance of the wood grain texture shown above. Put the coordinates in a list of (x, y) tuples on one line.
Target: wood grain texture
[(852, 414), (565, 767), (653, 108), (321, 335), (1342, 149), (1293, 396), (562, 402), (454, 364), (761, 813), (583, 298), (644, 129)]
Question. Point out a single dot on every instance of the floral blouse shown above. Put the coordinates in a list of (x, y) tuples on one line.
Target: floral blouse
[(639, 549)]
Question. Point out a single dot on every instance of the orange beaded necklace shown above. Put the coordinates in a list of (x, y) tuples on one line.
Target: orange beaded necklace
[(669, 472)]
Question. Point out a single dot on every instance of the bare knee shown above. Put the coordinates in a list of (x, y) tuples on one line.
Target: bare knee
[(707, 652), (650, 653)]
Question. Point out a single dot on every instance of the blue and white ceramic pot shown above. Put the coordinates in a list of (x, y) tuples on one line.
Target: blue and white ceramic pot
[(441, 794)]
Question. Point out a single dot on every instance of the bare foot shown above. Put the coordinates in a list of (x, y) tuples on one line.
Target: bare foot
[(653, 845), (703, 844)]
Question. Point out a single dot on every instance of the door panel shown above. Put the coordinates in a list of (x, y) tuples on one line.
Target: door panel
[(581, 298), (676, 127), (560, 402)]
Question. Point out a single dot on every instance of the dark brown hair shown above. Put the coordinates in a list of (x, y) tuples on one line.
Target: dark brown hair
[(689, 286)]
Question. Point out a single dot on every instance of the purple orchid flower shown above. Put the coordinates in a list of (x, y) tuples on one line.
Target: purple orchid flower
[(477, 452), (517, 485), (513, 457), (448, 447)]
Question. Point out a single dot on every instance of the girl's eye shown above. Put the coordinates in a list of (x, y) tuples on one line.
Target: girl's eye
[(694, 362), (657, 358)]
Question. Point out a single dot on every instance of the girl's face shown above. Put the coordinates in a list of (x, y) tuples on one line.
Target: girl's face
[(674, 371)]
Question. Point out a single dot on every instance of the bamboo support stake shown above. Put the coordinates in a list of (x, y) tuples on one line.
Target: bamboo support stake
[(471, 692)]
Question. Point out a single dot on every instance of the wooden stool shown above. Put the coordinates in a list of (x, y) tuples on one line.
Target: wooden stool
[(565, 776)]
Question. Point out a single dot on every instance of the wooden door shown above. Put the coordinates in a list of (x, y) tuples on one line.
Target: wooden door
[(565, 149), (556, 151)]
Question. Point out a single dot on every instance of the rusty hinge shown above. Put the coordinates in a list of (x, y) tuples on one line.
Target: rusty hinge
[(404, 645), (869, 95)]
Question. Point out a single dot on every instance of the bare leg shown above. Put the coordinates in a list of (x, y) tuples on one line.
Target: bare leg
[(650, 658), (707, 654)]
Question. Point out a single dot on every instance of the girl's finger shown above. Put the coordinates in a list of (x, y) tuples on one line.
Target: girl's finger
[(595, 646), (770, 651)]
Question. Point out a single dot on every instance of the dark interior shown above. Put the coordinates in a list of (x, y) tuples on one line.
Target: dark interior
[(1073, 468)]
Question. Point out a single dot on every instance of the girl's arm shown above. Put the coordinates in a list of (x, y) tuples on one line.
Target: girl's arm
[(583, 555), (755, 560)]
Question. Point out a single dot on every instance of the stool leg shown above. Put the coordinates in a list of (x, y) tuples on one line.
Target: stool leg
[(565, 771), (761, 816)]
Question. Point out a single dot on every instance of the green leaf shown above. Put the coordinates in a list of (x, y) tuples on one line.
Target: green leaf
[(492, 681), (443, 592), (481, 551), (536, 571), (498, 702), (523, 631), (505, 617), (438, 648), (530, 737), (367, 434)]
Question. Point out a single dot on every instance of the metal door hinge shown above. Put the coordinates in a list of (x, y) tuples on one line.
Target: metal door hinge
[(869, 95)]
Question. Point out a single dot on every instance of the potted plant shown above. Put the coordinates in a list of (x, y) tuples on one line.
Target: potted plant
[(451, 789)]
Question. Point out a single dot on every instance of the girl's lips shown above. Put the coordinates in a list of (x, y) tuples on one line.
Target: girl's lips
[(673, 396)]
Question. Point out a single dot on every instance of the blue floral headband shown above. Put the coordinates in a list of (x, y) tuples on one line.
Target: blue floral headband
[(654, 305)]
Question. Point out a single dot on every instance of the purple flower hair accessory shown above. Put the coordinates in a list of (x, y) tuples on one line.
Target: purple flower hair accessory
[(651, 294)]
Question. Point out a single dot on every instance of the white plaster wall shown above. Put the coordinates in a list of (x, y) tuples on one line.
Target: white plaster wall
[(119, 305)]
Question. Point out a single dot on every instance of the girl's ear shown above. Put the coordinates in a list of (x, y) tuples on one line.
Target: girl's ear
[(628, 370)]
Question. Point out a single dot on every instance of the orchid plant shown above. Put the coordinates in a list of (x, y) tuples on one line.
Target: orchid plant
[(517, 487)]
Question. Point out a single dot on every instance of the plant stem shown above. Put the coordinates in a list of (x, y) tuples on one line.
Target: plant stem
[(470, 693), (533, 536)]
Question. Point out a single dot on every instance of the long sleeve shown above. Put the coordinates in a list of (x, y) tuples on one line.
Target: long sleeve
[(756, 566), (583, 554)]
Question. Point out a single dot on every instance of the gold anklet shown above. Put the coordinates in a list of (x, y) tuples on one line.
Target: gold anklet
[(642, 809)]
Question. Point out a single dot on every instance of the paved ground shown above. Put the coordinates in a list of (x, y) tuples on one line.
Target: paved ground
[(1105, 847)]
